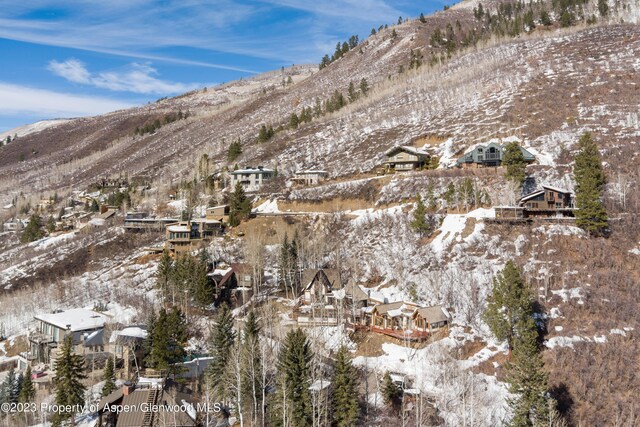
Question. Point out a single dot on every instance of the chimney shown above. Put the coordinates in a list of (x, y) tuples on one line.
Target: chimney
[(127, 388)]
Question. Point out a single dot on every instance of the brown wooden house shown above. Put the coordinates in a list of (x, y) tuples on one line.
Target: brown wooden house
[(406, 321), (547, 201)]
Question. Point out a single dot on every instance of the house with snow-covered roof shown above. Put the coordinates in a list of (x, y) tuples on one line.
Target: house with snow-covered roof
[(53, 328), (406, 320), (405, 158)]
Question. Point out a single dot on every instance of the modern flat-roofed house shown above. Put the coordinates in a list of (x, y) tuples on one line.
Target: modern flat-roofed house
[(251, 179), (489, 155), (547, 201), (184, 237), (405, 158), (52, 328), (219, 213), (309, 177), (13, 225)]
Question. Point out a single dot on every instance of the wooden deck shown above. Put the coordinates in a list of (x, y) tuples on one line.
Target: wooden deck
[(412, 336)]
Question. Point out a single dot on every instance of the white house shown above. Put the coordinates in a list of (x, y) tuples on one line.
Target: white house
[(309, 177), (251, 179)]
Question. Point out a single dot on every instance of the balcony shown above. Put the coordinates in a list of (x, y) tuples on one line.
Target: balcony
[(405, 335)]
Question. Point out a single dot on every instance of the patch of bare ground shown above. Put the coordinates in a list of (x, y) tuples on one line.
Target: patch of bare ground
[(488, 367), (272, 228), (16, 346), (334, 205)]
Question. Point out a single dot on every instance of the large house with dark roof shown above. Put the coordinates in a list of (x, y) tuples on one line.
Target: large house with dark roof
[(489, 155)]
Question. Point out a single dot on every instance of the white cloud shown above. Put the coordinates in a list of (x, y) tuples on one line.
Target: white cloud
[(71, 69), (39, 102), (137, 78)]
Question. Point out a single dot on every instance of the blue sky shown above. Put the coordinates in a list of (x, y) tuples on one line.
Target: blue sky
[(85, 57)]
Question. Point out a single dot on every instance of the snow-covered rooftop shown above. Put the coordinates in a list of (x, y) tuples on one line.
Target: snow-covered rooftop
[(79, 319)]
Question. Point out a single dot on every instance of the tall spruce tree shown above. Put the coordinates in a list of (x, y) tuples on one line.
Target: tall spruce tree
[(513, 161), (239, 206), (527, 378), (220, 346), (420, 224), (168, 339), (67, 382), (510, 303), (294, 378), (391, 393), (109, 377), (33, 231), (164, 273), (28, 391), (345, 391), (591, 214)]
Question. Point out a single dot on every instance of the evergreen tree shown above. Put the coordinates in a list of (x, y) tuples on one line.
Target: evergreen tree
[(420, 224), (545, 19), (10, 388), (352, 93), (590, 180), (288, 263), (33, 231), (234, 151), (178, 338), (345, 391), (603, 8), (203, 287), (364, 86), (527, 378), (168, 339), (51, 224), (391, 393), (422, 18), (67, 382), (294, 121), (147, 344), (294, 377), (94, 206), (109, 378), (510, 303), (513, 161), (325, 61), (27, 391), (220, 346), (239, 206), (164, 273), (450, 194)]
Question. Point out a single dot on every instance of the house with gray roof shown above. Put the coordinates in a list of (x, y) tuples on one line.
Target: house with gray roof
[(489, 155), (405, 158)]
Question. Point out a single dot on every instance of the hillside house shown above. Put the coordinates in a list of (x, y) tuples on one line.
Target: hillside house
[(13, 225), (405, 158), (309, 177), (406, 321), (547, 201), (52, 328), (184, 237), (219, 213), (251, 179), (489, 155), (353, 300), (232, 284), (317, 302)]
